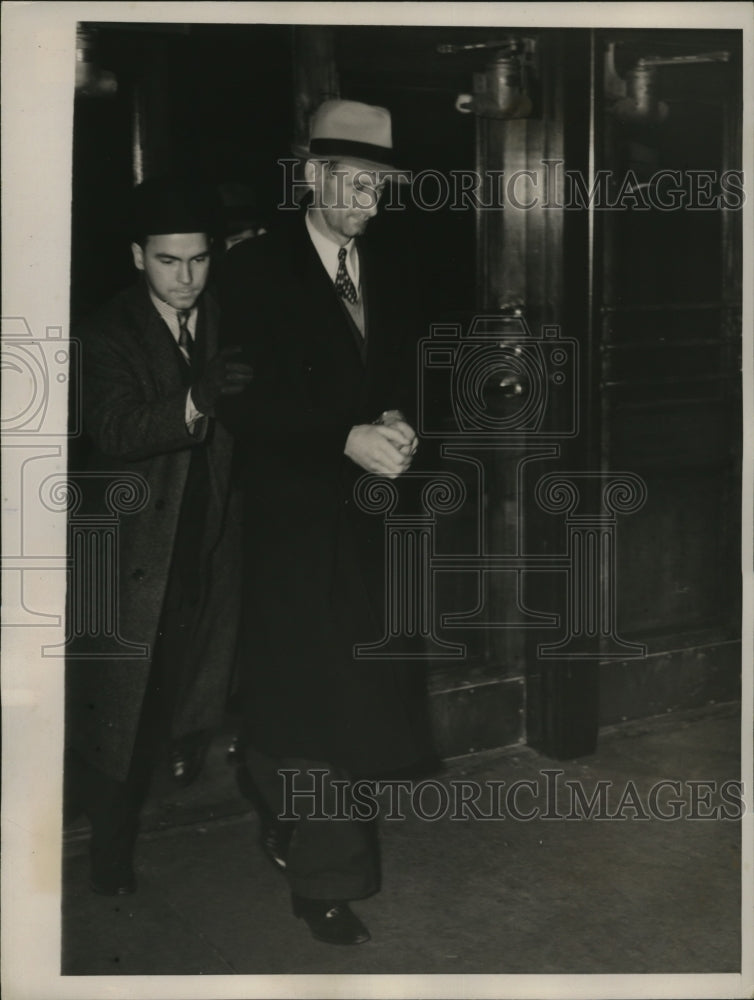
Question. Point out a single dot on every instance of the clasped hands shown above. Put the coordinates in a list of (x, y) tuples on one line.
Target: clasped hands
[(386, 447), (221, 376)]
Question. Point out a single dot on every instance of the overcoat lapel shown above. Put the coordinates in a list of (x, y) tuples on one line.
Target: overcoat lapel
[(206, 334), (159, 346)]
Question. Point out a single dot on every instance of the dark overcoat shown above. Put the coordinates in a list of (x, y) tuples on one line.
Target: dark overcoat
[(134, 397), (314, 579)]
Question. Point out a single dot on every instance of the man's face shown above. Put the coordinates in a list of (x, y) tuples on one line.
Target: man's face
[(346, 196), (176, 266)]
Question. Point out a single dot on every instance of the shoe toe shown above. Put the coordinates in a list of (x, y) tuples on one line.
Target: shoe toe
[(331, 921), (275, 841)]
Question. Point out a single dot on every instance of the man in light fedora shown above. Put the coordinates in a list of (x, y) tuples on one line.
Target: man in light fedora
[(326, 324)]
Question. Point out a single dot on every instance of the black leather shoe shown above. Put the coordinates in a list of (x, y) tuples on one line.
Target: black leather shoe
[(275, 838), (330, 920), (275, 841), (187, 757), (122, 886)]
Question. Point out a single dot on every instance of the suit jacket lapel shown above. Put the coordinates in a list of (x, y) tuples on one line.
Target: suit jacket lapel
[(324, 300), (364, 281), (206, 332), (359, 338)]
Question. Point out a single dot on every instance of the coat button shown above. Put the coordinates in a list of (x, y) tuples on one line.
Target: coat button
[(138, 574), (159, 505)]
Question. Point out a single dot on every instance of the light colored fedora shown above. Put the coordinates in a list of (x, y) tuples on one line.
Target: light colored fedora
[(349, 130)]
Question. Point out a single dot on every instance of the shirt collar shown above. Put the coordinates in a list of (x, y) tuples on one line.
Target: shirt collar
[(328, 253), (170, 316)]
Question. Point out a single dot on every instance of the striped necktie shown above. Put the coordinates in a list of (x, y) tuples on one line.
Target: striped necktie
[(185, 340)]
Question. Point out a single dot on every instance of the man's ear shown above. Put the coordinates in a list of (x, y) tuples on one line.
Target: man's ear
[(138, 256), (311, 169), (314, 171)]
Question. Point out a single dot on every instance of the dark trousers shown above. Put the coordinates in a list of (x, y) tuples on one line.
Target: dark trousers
[(113, 806), (328, 858)]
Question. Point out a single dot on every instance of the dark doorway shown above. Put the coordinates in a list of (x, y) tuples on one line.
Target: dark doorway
[(651, 299)]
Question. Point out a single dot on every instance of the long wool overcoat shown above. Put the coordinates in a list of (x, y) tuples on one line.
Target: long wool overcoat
[(314, 571), (134, 393)]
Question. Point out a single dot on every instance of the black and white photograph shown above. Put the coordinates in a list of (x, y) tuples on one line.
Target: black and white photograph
[(377, 500)]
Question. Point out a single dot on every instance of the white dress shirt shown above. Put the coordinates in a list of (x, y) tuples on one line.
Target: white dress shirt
[(170, 316), (328, 254)]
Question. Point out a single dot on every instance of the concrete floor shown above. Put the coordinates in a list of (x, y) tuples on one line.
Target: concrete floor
[(459, 896)]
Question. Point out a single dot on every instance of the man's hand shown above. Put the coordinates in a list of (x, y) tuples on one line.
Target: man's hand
[(397, 422), (380, 449), (221, 377)]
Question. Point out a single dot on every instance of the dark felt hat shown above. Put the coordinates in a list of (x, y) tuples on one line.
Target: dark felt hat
[(165, 205)]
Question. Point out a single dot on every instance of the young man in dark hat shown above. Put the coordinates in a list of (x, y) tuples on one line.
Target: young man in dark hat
[(324, 323), (152, 375)]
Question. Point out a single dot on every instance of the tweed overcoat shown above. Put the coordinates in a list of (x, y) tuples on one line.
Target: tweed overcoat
[(134, 395), (314, 572)]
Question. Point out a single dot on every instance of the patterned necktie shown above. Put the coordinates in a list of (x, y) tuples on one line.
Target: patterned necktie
[(343, 284), (185, 340)]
